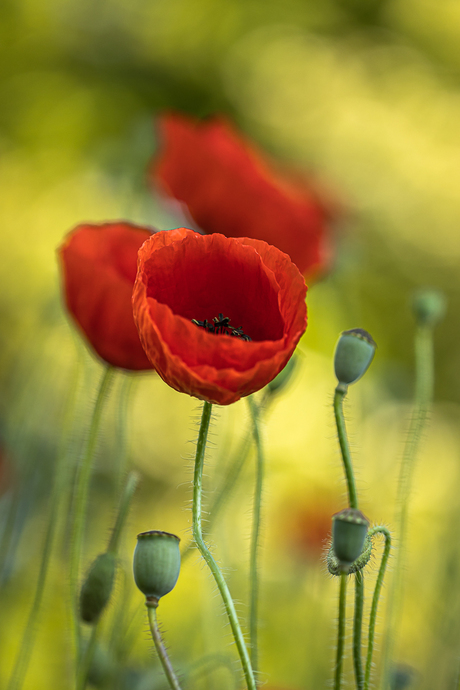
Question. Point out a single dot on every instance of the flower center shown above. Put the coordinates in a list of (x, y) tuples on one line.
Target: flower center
[(221, 325)]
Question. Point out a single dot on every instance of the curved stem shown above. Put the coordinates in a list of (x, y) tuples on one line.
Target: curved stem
[(81, 500), (253, 569), (339, 395), (206, 554), (424, 383), (357, 629), (341, 631), (28, 640), (227, 486), (375, 599), (161, 649)]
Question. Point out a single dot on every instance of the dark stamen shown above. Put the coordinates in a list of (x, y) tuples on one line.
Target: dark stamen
[(220, 325)]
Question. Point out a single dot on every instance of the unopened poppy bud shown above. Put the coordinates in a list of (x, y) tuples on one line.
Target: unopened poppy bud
[(97, 588), (349, 529), (156, 564), (353, 355), (429, 306)]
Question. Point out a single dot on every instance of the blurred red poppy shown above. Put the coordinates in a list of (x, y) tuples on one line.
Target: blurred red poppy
[(99, 264), (234, 289), (310, 523), (230, 187)]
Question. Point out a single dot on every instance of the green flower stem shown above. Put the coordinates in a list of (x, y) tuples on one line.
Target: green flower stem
[(81, 500), (86, 658), (30, 632), (123, 510), (226, 489), (341, 631), (424, 383), (340, 393), (161, 649), (255, 537), (357, 629), (232, 476), (206, 554), (375, 599), (125, 502)]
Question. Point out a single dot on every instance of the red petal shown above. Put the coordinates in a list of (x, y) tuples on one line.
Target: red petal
[(99, 264), (184, 275), (231, 188)]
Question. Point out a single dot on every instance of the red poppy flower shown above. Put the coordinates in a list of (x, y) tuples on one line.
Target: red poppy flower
[(242, 288), (99, 264), (232, 188)]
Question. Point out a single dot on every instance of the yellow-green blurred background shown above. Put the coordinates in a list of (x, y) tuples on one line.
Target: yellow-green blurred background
[(364, 96)]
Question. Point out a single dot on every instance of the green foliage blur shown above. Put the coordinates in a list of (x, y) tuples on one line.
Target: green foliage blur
[(363, 96)]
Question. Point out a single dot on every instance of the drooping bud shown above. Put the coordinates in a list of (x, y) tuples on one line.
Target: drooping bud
[(97, 588), (353, 355), (349, 529), (429, 306), (156, 564)]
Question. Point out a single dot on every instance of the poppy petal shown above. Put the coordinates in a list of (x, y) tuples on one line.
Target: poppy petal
[(99, 264), (232, 188), (182, 276)]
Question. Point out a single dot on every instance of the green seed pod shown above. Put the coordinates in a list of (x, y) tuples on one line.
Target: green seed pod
[(333, 564), (97, 587), (156, 564), (349, 530), (353, 355), (429, 306)]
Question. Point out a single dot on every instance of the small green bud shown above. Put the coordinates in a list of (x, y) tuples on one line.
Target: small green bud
[(349, 530), (156, 564), (283, 378), (429, 306), (97, 588), (353, 355)]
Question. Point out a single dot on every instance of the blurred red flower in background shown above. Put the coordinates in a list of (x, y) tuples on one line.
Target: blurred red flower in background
[(183, 276), (231, 187), (99, 264), (310, 524)]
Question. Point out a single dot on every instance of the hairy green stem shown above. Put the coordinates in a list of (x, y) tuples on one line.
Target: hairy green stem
[(341, 631), (375, 599), (81, 500), (161, 649), (227, 486), (30, 632), (339, 395), (255, 537), (357, 629), (206, 554), (424, 383)]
